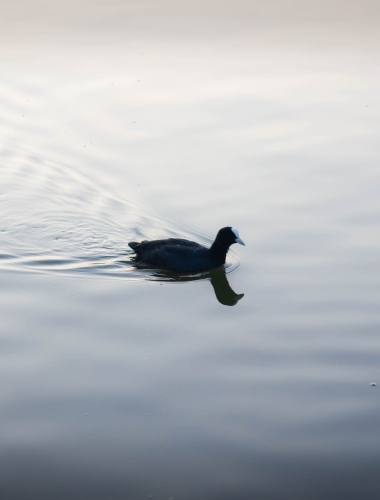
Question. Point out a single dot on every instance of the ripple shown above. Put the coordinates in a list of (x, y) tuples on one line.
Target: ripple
[(55, 220)]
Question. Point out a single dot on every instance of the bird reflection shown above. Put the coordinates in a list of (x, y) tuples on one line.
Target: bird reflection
[(217, 277), (222, 289)]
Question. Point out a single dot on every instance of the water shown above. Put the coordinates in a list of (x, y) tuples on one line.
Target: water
[(122, 122)]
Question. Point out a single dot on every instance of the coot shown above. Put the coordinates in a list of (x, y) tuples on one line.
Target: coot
[(187, 256)]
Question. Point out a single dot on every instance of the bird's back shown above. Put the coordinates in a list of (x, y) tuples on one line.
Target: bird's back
[(173, 253)]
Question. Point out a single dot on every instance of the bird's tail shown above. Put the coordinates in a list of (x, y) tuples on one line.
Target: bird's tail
[(134, 245)]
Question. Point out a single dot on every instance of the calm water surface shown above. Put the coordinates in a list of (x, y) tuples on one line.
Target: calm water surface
[(127, 121)]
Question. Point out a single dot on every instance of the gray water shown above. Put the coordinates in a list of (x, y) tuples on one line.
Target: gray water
[(132, 120)]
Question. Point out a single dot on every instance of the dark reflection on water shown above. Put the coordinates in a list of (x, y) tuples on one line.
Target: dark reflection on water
[(217, 278), (125, 477), (222, 289)]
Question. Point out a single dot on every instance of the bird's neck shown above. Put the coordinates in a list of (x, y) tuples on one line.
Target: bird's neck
[(218, 251)]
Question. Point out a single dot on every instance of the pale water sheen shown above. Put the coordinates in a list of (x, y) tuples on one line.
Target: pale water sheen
[(128, 121)]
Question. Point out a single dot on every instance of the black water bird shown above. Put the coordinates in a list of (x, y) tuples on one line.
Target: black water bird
[(186, 256)]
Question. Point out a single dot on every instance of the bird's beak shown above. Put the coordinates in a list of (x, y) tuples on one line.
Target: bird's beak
[(239, 240)]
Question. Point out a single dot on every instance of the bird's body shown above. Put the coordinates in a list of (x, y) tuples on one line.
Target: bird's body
[(187, 256)]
